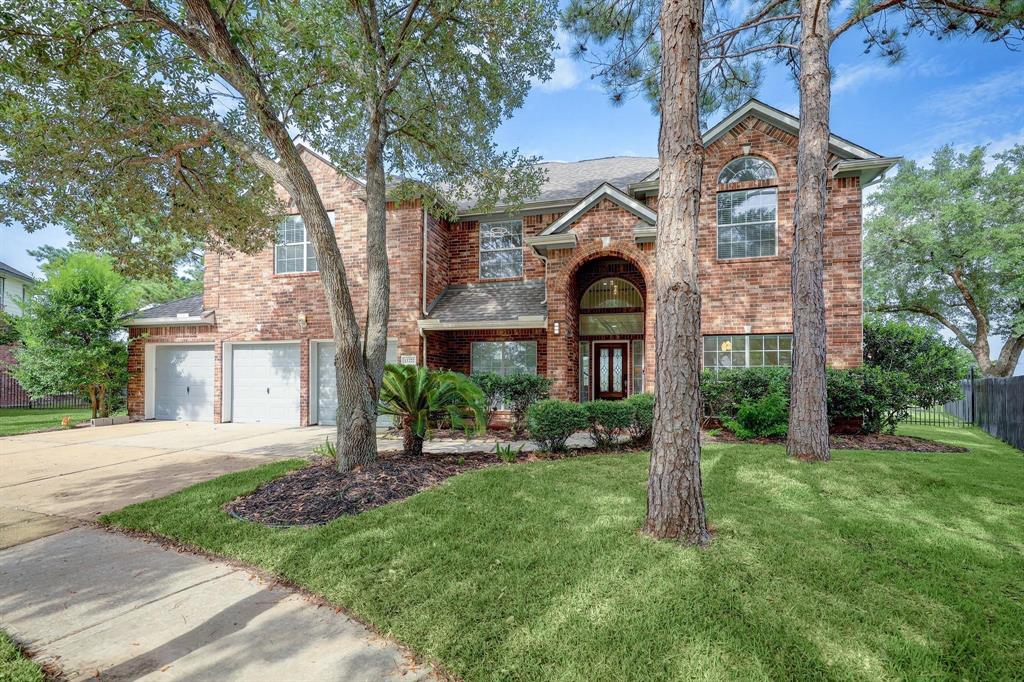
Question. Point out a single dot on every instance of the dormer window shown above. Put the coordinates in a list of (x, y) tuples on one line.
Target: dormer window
[(745, 169), (747, 218), (501, 250)]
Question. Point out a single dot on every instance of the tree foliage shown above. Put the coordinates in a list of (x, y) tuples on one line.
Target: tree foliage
[(945, 242), (72, 332), (152, 289)]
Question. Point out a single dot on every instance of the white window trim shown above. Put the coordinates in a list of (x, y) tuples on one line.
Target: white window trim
[(718, 225), (481, 250), (746, 350), (306, 246)]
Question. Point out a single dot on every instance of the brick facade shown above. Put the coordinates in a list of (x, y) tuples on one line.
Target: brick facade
[(740, 296)]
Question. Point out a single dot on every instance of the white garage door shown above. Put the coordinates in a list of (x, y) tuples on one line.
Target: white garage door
[(327, 388), (184, 383), (265, 383)]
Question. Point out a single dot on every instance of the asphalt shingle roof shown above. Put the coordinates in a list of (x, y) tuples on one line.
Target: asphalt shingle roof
[(576, 179), (191, 306), (490, 302)]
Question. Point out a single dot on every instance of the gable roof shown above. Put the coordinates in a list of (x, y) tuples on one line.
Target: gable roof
[(603, 191), (567, 181), (7, 269)]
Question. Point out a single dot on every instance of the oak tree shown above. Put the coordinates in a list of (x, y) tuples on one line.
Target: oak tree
[(129, 121), (945, 243)]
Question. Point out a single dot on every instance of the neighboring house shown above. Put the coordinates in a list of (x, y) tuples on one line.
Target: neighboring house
[(561, 287), (14, 286)]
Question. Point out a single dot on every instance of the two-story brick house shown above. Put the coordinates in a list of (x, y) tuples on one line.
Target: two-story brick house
[(561, 287)]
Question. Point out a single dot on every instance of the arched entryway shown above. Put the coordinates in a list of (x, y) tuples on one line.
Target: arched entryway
[(610, 296)]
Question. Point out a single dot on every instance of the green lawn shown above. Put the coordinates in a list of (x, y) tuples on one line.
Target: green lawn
[(14, 667), (15, 420), (875, 566)]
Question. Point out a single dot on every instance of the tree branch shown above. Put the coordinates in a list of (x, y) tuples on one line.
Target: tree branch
[(961, 336)]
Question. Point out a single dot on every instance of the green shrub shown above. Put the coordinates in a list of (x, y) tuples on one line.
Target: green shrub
[(880, 398), (513, 392), (642, 406), (725, 390), (933, 365), (521, 391), (552, 421), (765, 417), (492, 386), (606, 419)]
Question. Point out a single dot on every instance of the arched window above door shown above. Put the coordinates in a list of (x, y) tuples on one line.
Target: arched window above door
[(611, 292)]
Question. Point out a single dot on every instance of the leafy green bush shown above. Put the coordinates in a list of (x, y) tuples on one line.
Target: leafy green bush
[(725, 390), (933, 365), (765, 417), (552, 421), (8, 330), (492, 386), (642, 406), (880, 398), (513, 392), (521, 391), (606, 419)]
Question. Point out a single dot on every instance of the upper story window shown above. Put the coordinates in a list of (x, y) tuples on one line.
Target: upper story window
[(746, 168), (293, 252), (747, 219), (501, 249)]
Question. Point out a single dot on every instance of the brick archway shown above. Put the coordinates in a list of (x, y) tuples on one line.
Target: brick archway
[(563, 346)]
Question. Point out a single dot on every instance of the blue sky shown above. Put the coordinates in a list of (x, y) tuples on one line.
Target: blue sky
[(962, 92)]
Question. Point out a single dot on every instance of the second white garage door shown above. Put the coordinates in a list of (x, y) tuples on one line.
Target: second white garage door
[(265, 383), (327, 389)]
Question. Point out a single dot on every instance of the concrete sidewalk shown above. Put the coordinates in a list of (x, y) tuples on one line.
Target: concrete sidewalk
[(101, 605)]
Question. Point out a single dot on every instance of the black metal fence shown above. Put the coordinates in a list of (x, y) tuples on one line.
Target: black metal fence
[(993, 404)]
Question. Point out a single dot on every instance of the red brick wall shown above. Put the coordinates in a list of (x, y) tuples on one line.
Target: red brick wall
[(451, 349), (438, 245), (253, 303)]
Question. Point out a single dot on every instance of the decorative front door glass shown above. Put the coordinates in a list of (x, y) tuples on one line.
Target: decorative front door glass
[(610, 367)]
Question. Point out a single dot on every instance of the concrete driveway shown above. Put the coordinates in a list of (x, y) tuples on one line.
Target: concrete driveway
[(53, 481)]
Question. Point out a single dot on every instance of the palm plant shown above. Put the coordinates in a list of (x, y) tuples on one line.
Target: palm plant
[(416, 396)]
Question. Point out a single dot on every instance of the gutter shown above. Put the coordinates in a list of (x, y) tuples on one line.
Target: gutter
[(207, 317), (424, 283)]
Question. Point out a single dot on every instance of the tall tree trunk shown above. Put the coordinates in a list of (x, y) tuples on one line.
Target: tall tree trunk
[(1006, 363), (101, 401), (808, 417), (92, 402), (675, 501)]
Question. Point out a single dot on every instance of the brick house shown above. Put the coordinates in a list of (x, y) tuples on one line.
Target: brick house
[(560, 287)]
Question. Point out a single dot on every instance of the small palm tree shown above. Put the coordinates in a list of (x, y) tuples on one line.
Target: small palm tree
[(417, 395)]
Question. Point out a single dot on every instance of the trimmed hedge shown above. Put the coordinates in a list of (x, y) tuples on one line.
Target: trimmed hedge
[(606, 419), (515, 391), (765, 417), (551, 422), (642, 424)]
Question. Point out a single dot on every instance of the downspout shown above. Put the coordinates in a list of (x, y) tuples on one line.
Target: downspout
[(545, 259), (424, 282)]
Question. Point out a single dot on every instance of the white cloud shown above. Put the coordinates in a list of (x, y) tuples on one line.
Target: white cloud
[(851, 77), (568, 72)]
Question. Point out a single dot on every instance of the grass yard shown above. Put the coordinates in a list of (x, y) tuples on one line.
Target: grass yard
[(14, 667), (876, 566), (15, 420)]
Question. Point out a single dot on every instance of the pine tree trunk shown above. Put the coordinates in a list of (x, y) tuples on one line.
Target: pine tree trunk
[(675, 502), (808, 417)]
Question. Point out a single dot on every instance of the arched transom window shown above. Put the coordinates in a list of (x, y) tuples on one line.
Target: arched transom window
[(611, 292), (746, 168)]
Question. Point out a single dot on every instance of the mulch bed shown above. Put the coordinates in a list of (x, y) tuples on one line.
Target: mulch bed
[(858, 441), (318, 494)]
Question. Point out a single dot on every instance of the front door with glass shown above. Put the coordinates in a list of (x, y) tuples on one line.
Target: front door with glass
[(610, 368)]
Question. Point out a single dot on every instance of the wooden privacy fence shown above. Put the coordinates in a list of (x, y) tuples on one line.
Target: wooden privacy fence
[(996, 405)]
